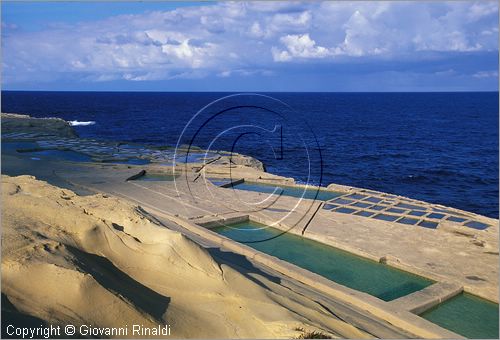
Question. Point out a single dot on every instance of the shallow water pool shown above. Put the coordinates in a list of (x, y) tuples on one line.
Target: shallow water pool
[(66, 155), (74, 156), (322, 195), (353, 271), (467, 315), (14, 146)]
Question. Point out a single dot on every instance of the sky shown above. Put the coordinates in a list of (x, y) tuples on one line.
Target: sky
[(250, 46)]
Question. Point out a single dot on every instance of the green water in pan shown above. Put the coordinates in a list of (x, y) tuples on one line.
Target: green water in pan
[(313, 193), (353, 271), (468, 315)]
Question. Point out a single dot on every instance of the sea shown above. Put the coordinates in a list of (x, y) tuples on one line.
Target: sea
[(437, 147)]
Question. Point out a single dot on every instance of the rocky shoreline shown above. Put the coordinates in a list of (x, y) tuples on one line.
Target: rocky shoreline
[(57, 134)]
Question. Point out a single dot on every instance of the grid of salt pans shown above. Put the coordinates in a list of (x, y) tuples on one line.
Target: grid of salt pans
[(103, 149), (392, 208)]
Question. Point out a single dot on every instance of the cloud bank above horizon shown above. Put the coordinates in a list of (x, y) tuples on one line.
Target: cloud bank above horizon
[(273, 45)]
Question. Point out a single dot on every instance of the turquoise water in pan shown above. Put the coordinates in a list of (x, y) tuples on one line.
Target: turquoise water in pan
[(322, 195), (353, 271), (468, 315)]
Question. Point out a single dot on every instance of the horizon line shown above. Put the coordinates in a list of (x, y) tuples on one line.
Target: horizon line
[(253, 91)]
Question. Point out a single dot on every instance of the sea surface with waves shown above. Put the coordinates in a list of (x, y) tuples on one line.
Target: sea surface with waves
[(437, 147)]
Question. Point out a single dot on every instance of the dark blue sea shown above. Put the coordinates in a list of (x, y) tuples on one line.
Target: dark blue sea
[(437, 147)]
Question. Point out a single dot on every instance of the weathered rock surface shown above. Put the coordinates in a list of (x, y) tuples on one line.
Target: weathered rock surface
[(12, 122)]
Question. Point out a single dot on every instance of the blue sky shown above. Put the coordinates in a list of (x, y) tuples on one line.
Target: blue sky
[(251, 46)]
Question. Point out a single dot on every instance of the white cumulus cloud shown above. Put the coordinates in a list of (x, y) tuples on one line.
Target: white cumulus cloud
[(299, 46)]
